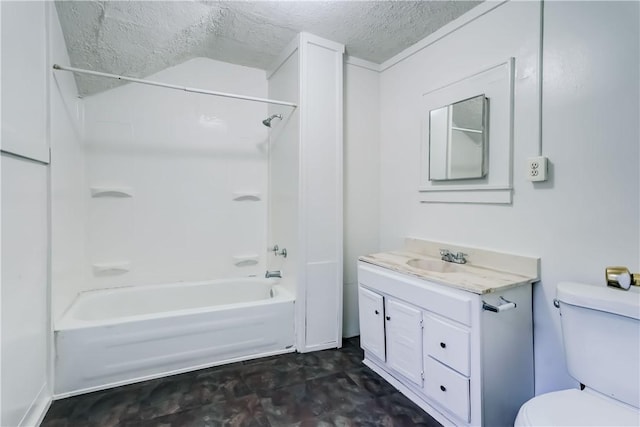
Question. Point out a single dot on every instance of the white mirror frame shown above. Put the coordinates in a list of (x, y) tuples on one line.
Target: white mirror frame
[(497, 84)]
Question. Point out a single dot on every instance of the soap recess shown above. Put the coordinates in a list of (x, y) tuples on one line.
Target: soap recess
[(246, 196), (111, 268), (245, 260), (97, 192)]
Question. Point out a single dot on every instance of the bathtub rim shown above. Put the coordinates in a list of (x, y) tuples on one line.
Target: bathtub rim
[(64, 323)]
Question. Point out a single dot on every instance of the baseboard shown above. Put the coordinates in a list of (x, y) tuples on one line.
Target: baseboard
[(38, 408), (350, 334)]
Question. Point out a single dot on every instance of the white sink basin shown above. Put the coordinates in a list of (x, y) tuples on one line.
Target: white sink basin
[(435, 266)]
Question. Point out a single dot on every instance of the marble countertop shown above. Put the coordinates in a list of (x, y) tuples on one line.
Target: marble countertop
[(468, 277)]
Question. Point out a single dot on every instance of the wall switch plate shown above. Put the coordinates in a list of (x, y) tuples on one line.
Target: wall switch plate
[(537, 168)]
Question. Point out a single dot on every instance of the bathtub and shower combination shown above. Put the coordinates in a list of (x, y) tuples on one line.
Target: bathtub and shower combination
[(119, 336)]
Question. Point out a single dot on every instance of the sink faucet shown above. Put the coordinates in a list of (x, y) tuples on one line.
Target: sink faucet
[(273, 273), (448, 256)]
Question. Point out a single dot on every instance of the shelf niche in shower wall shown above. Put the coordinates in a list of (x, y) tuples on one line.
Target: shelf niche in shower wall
[(117, 192), (246, 260), (111, 268), (246, 196)]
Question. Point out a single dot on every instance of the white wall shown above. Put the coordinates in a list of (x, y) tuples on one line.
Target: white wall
[(25, 313), (25, 79), (24, 288), (361, 178), (184, 156), (68, 189), (590, 124)]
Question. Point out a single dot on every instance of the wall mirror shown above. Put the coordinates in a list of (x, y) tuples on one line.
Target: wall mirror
[(458, 140)]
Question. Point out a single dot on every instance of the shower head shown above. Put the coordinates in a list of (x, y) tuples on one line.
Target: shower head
[(267, 122)]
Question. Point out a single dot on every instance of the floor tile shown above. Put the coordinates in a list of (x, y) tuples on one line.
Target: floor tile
[(368, 380), (289, 406), (272, 378), (102, 409), (242, 412), (336, 392), (393, 410), (329, 388)]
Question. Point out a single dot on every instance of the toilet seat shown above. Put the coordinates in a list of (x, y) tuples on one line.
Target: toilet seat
[(575, 408)]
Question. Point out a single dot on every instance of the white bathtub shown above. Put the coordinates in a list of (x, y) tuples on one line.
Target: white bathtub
[(118, 336)]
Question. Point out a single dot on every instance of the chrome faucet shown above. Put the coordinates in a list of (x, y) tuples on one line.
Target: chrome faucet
[(273, 273), (448, 256), (278, 252)]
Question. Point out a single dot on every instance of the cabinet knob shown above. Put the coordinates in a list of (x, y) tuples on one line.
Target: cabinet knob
[(443, 388), (377, 312), (443, 345), (388, 317)]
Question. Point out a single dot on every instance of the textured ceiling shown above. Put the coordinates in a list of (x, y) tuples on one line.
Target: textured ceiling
[(139, 38)]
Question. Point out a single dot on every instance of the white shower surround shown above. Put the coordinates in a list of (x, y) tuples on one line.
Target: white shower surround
[(184, 157), (119, 336)]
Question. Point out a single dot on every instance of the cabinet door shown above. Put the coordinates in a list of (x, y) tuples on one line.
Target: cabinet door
[(371, 314), (404, 340)]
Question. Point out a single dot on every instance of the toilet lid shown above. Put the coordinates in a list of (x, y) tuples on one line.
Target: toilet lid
[(575, 408)]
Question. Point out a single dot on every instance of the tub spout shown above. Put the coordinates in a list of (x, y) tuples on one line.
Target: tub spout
[(273, 273)]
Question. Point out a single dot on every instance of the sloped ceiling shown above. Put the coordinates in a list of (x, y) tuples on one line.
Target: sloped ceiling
[(139, 38)]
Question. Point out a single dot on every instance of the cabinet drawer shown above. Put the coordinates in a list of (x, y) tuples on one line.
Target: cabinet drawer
[(447, 343), (447, 388)]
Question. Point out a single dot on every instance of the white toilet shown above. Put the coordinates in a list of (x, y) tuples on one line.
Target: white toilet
[(601, 331)]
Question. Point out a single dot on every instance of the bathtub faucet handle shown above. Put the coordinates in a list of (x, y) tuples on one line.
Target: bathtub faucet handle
[(277, 252), (273, 273)]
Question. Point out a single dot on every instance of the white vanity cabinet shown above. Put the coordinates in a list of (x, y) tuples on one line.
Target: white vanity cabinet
[(435, 343)]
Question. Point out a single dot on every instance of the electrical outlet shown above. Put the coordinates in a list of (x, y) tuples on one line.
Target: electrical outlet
[(537, 168)]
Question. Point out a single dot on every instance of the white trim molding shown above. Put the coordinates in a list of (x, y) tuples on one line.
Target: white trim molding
[(478, 195), (319, 227), (497, 84), (321, 137), (357, 62), (291, 48)]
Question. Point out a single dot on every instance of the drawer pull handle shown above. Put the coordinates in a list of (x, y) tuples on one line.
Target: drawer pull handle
[(377, 312), (443, 388), (443, 345), (388, 317)]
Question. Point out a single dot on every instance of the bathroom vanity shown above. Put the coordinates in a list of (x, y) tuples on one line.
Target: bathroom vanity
[(454, 338)]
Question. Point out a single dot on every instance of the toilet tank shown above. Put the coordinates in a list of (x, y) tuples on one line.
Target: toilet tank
[(601, 331)]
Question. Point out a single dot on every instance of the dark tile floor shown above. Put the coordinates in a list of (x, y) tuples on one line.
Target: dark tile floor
[(325, 388)]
